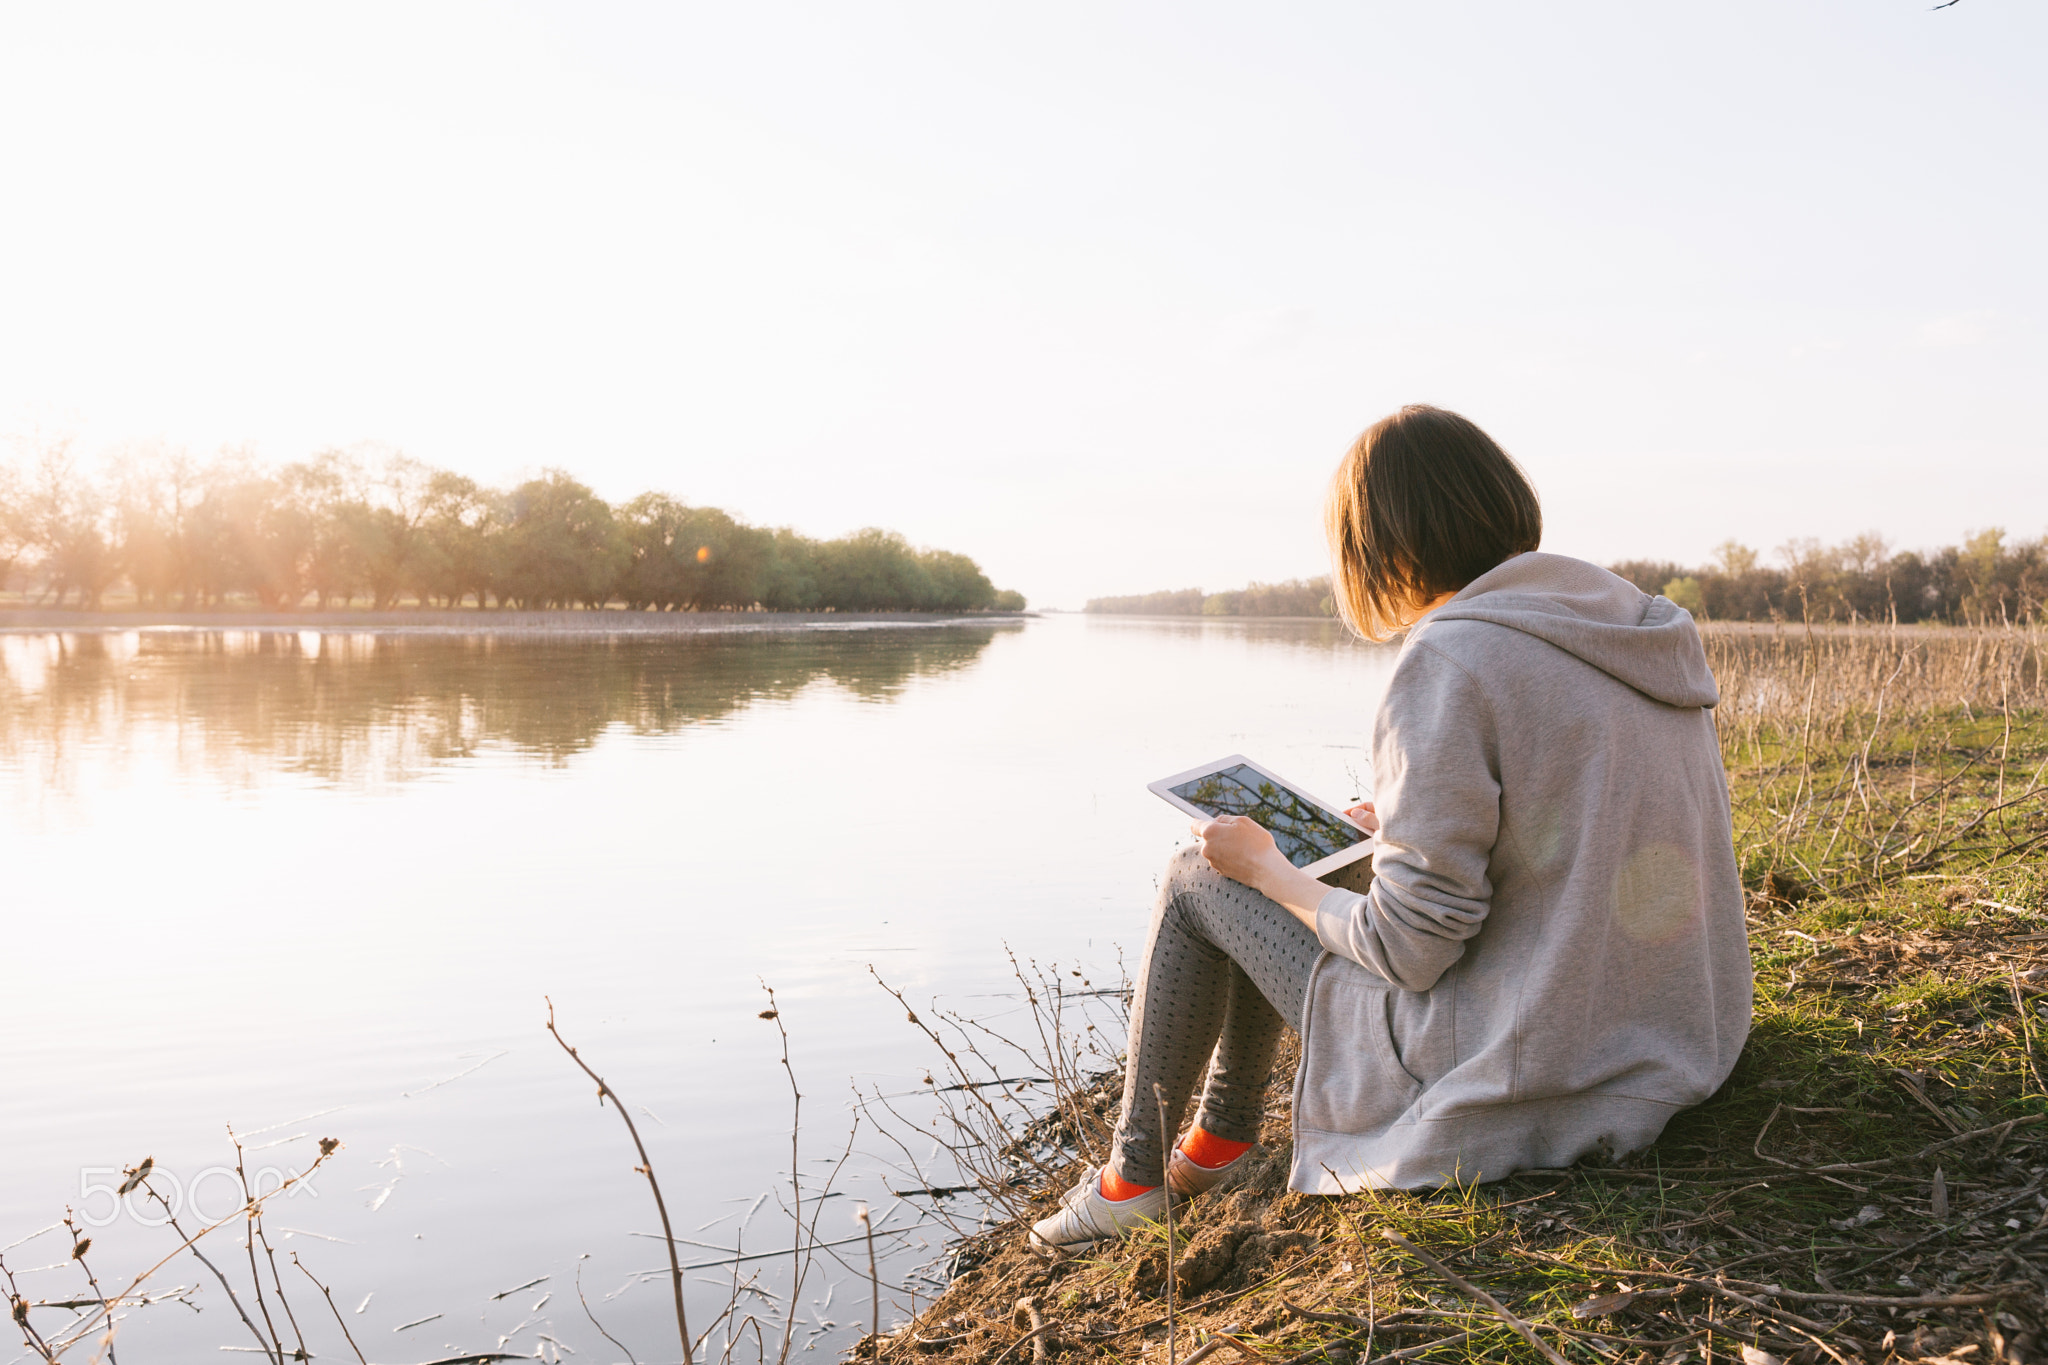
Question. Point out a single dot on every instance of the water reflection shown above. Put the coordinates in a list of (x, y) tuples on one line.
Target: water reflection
[(326, 941), (364, 710)]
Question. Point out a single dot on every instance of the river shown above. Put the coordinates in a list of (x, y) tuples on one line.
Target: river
[(319, 884)]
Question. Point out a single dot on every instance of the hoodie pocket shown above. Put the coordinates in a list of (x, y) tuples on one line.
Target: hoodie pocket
[(1352, 1080)]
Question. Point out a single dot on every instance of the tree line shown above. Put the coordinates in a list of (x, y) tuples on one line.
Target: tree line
[(1988, 578), (1296, 597), (177, 532)]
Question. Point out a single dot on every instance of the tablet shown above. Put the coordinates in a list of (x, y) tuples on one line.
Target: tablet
[(1314, 835)]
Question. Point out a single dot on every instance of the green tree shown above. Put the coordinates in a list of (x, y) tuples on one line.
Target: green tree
[(1735, 559), (1686, 593), (1650, 575), (793, 583), (328, 496), (1979, 561), (13, 525), (385, 524), (692, 558), (1184, 602), (871, 570), (560, 546), (70, 522), (345, 522), (452, 557), (1294, 597), (957, 582), (1738, 587), (159, 494), (251, 534)]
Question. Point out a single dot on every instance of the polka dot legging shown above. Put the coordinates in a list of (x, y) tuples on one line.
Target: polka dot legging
[(1225, 970)]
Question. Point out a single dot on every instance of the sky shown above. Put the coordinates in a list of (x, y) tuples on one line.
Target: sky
[(1096, 293)]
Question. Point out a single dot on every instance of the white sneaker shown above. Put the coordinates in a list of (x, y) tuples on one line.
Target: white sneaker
[(1188, 1179), (1085, 1216)]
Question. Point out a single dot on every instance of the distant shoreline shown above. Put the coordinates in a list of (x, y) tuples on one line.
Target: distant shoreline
[(1191, 616), (436, 621), (1709, 626)]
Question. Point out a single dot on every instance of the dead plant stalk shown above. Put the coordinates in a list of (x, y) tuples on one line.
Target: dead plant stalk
[(646, 1168)]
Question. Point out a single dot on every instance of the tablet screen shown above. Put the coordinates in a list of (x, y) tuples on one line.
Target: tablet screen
[(1305, 832)]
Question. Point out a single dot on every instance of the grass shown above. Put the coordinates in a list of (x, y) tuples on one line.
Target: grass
[(1868, 1185)]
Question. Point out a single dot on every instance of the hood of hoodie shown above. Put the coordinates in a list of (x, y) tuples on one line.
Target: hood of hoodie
[(1650, 643)]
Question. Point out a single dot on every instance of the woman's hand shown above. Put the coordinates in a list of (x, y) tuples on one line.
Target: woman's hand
[(1243, 850), (1239, 847)]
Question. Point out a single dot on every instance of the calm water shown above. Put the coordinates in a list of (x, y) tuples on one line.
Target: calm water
[(319, 885)]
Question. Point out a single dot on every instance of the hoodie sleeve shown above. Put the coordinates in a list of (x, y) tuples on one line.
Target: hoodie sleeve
[(1436, 765)]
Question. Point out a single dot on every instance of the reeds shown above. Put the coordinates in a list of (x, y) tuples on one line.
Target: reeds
[(1768, 673), (1006, 1114), (1862, 755)]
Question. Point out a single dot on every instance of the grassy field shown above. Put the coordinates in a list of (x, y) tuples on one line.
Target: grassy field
[(1869, 1185)]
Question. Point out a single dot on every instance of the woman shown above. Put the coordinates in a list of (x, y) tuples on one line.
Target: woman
[(1548, 960)]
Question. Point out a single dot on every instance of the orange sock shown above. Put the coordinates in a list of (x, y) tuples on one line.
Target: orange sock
[(1115, 1187), (1209, 1151)]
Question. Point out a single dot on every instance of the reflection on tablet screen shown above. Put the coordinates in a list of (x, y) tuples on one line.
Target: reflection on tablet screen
[(1305, 832)]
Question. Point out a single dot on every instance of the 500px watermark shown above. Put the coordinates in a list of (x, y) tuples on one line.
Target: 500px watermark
[(106, 1194)]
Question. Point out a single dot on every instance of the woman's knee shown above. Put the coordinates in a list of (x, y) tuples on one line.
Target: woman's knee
[(1188, 888), (1187, 870)]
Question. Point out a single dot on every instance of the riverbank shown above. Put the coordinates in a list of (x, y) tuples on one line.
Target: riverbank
[(432, 621), (1870, 1178), (1871, 1183)]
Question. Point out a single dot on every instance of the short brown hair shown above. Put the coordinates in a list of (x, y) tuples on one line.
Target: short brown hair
[(1423, 503)]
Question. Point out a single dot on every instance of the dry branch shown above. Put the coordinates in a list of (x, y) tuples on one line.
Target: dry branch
[(646, 1168)]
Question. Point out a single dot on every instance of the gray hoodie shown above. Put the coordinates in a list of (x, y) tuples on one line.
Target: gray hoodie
[(1550, 959)]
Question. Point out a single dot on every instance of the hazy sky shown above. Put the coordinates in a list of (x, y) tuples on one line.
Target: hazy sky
[(1095, 293)]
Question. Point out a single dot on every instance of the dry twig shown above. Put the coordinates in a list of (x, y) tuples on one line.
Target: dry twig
[(339, 1321), (646, 1168)]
